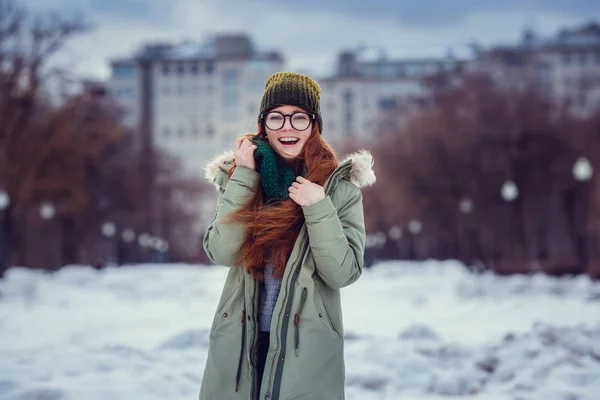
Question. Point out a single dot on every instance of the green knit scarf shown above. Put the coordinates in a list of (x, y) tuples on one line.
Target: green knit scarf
[(275, 175)]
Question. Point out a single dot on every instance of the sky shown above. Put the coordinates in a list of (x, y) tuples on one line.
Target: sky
[(311, 33)]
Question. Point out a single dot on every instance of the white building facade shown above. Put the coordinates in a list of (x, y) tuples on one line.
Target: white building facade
[(567, 65), (192, 100), (356, 96)]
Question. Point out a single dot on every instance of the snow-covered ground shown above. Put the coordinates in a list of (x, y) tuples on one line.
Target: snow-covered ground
[(413, 331)]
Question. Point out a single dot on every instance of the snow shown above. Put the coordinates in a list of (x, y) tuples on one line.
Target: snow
[(414, 331)]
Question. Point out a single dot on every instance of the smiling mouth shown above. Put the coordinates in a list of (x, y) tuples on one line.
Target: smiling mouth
[(289, 141)]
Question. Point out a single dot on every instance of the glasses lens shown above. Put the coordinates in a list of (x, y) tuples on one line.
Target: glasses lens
[(300, 121), (274, 121)]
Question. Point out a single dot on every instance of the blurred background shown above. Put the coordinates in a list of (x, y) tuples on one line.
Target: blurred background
[(484, 122), (483, 119)]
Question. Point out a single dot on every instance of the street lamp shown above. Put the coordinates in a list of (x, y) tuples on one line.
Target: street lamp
[(126, 252), (414, 227), (128, 235), (395, 233), (509, 191), (582, 170), (582, 173), (466, 205), (4, 200), (47, 211), (109, 229)]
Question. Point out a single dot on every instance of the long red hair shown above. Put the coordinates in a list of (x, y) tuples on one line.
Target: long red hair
[(272, 231)]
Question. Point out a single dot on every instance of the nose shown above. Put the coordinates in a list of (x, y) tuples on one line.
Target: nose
[(287, 124)]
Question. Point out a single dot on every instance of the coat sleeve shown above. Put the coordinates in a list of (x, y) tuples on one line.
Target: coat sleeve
[(222, 241), (337, 236)]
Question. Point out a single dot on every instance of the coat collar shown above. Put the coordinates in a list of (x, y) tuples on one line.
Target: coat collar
[(361, 173)]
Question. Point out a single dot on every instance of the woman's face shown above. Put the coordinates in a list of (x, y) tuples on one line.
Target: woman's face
[(287, 141)]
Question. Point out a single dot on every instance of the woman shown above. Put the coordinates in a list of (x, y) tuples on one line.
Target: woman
[(289, 223)]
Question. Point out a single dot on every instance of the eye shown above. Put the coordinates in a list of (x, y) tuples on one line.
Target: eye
[(274, 117), (300, 117)]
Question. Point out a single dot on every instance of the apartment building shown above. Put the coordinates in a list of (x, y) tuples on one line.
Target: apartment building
[(364, 88), (192, 99), (566, 64)]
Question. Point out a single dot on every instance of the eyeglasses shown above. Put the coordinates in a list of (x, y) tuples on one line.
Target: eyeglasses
[(275, 120)]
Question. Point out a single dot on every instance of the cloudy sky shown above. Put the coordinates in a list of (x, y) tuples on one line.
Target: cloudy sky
[(310, 33)]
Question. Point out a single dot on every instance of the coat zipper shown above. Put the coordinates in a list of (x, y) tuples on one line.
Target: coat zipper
[(239, 368), (254, 387), (297, 320), (277, 378)]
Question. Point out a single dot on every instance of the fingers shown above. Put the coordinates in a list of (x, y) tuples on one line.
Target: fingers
[(238, 142), (243, 142), (302, 179)]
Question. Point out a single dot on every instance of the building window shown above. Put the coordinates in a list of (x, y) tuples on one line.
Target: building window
[(194, 68), (582, 58), (125, 93), (196, 132), (181, 90), (123, 71), (566, 59), (210, 131), (348, 104), (180, 68), (597, 58), (210, 67), (231, 101), (165, 69)]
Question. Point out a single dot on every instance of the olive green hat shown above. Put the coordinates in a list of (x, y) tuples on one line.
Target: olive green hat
[(291, 88)]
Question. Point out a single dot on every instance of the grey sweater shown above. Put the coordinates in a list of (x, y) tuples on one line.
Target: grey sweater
[(268, 297)]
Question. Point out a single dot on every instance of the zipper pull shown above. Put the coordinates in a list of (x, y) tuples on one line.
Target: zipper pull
[(297, 320)]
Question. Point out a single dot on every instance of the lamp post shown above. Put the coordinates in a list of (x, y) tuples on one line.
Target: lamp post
[(465, 206), (414, 227), (395, 233), (108, 231), (4, 204), (509, 194), (582, 173), (144, 240), (128, 236)]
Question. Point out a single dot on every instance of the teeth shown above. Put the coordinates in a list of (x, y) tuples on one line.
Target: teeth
[(290, 140)]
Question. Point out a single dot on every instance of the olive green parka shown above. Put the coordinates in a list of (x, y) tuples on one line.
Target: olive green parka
[(305, 359)]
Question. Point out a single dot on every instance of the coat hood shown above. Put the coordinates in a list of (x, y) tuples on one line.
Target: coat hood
[(361, 173)]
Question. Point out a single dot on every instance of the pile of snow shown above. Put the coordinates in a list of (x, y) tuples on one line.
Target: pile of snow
[(413, 331)]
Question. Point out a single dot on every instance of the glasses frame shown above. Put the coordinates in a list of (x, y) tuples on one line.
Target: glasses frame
[(311, 117)]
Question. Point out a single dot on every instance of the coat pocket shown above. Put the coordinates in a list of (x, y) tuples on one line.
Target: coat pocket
[(229, 309), (326, 313)]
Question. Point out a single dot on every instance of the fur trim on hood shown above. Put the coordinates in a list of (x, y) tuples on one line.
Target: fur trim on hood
[(361, 173)]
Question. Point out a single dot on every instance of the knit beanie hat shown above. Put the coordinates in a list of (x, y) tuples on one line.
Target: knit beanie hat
[(290, 88)]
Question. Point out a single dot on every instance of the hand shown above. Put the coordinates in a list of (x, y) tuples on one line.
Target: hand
[(243, 152), (306, 193)]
